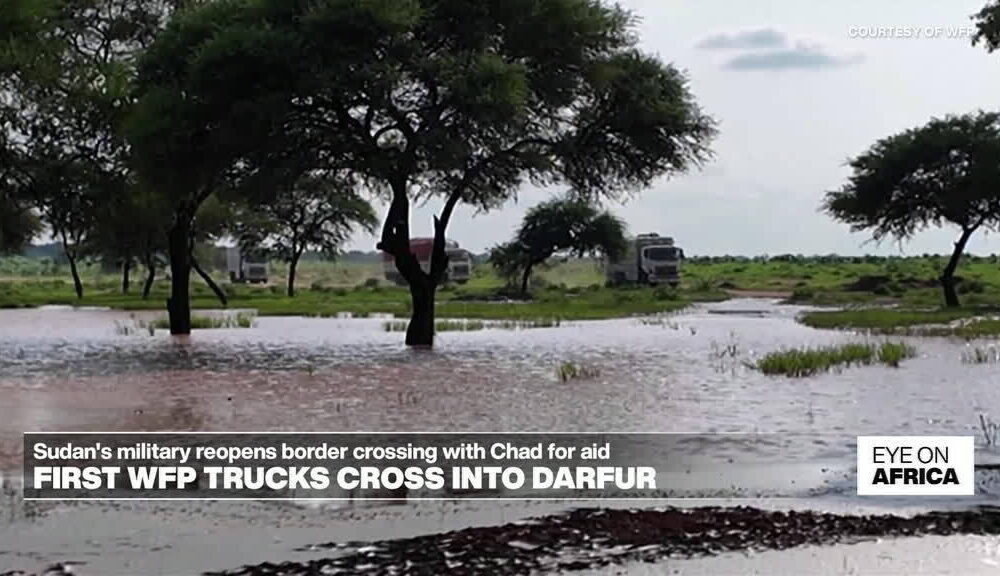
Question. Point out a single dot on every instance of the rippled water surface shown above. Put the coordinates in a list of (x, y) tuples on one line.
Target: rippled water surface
[(66, 369)]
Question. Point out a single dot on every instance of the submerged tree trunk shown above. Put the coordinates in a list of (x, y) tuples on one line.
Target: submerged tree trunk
[(948, 275), (150, 277), (211, 283), (420, 331), (396, 242), (126, 267), (179, 303)]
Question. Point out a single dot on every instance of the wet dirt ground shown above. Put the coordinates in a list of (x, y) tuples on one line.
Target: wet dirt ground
[(77, 370)]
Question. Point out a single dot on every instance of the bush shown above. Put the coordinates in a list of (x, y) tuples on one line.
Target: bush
[(664, 293), (971, 287), (802, 294)]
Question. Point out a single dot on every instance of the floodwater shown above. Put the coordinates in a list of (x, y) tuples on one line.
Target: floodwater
[(63, 369)]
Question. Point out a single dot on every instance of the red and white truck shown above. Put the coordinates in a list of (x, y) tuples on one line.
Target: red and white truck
[(459, 261)]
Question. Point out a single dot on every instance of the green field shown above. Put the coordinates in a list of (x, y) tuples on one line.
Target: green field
[(568, 289), (572, 290)]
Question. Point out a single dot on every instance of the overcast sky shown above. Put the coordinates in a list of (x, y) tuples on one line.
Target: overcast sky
[(797, 89)]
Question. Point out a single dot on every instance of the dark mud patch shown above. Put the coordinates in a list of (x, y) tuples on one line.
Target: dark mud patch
[(595, 538)]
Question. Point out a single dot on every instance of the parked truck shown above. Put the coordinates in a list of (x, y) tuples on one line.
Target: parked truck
[(648, 259), (245, 268), (459, 261)]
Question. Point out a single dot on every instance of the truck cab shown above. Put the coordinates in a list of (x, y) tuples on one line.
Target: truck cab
[(659, 260), (246, 268), (648, 259), (459, 265)]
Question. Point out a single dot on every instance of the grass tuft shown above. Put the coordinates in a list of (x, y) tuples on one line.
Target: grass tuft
[(568, 371), (238, 320), (802, 362), (471, 325)]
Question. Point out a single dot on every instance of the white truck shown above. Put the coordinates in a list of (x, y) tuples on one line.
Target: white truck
[(245, 268), (648, 259)]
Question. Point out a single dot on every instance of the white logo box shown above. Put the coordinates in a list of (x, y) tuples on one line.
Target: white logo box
[(921, 454)]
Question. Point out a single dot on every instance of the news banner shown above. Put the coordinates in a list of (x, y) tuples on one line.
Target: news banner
[(439, 466)]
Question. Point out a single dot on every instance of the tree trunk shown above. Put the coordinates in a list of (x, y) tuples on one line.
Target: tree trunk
[(150, 277), (420, 331), (292, 264), (524, 279), (71, 258), (211, 283), (77, 284), (179, 303), (126, 267), (948, 275)]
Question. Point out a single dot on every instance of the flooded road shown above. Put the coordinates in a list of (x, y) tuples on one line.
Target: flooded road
[(84, 370)]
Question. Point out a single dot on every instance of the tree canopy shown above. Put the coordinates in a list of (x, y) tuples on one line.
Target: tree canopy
[(569, 225), (318, 212), (464, 100), (987, 23), (945, 172)]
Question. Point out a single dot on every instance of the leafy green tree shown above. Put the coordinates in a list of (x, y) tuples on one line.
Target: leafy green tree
[(945, 172), (193, 135), (21, 22), (318, 213), (462, 100), (63, 191), (561, 225), (69, 109)]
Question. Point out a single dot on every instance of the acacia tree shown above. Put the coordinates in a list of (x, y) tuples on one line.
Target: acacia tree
[(462, 100), (559, 225), (195, 135), (318, 212), (68, 113), (945, 172), (63, 190), (21, 23)]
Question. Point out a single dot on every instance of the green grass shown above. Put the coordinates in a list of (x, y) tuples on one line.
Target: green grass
[(569, 303), (457, 325), (241, 319), (884, 320), (967, 323), (568, 371), (802, 362), (571, 289), (439, 325)]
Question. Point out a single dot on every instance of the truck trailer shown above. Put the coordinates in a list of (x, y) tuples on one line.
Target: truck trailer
[(459, 261), (648, 259), (245, 268)]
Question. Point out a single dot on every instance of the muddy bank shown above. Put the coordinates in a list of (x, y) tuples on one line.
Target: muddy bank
[(594, 538)]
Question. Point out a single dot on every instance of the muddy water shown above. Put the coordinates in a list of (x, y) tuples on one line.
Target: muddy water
[(74, 370), (77, 370)]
